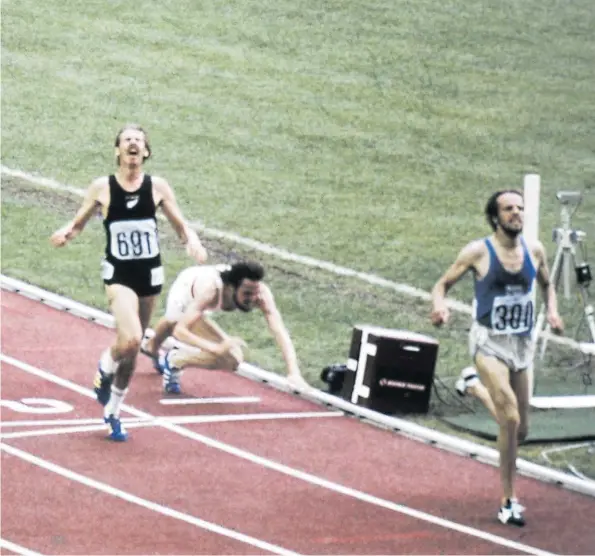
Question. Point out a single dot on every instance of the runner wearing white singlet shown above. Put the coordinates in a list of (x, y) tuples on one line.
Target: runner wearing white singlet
[(196, 293)]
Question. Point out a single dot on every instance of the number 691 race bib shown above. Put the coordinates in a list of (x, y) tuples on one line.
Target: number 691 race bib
[(134, 239)]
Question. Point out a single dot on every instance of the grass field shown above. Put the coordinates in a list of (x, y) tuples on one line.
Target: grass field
[(367, 134)]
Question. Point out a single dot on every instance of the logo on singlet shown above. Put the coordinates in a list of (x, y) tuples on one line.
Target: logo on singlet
[(131, 201)]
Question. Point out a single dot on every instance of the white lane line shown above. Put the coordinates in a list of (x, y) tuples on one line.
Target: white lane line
[(98, 424), (373, 279), (60, 422), (59, 430), (153, 506), (289, 471), (178, 419), (18, 548), (197, 419), (192, 401)]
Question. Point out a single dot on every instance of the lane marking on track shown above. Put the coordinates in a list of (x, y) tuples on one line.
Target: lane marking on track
[(404, 427), (98, 424), (181, 419), (38, 406), (289, 471), (18, 548), (153, 506), (191, 401), (59, 422), (60, 430)]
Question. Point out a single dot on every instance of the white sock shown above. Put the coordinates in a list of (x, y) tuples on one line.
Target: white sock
[(115, 401), (107, 363)]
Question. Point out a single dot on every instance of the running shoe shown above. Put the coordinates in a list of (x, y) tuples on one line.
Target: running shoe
[(171, 375), (117, 432), (103, 386), (511, 514), (468, 377)]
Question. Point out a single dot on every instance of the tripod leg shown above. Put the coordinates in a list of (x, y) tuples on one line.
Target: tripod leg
[(588, 311), (538, 335), (560, 256)]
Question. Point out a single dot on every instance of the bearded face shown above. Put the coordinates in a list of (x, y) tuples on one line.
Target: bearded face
[(511, 213)]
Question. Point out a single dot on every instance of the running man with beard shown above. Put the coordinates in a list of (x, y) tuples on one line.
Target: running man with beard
[(505, 268), (131, 270), (199, 291)]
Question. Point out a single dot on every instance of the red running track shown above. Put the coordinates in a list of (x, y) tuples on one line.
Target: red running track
[(308, 484)]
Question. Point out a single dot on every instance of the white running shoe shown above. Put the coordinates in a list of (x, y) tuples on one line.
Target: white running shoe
[(516, 504), (468, 377), (511, 514)]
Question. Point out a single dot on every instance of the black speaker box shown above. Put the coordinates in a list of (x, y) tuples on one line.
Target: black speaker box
[(390, 371)]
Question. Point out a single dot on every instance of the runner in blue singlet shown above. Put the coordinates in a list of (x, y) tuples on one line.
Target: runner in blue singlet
[(500, 341)]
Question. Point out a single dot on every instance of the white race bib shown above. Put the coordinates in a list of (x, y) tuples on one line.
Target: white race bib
[(134, 239), (512, 313)]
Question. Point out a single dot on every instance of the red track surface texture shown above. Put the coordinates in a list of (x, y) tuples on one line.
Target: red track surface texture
[(323, 484)]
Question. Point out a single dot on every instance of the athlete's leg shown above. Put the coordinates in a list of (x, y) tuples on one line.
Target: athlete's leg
[(163, 330), (132, 314), (483, 395), (187, 356), (520, 384), (114, 365), (117, 362), (125, 307), (469, 383), (184, 356), (178, 299), (495, 375)]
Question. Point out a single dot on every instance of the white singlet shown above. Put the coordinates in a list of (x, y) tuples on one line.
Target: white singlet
[(186, 287)]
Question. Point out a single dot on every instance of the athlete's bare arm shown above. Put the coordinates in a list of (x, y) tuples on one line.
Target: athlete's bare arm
[(90, 204), (165, 197), (279, 331), (467, 259)]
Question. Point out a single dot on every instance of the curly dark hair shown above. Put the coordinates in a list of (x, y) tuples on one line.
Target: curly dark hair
[(241, 271)]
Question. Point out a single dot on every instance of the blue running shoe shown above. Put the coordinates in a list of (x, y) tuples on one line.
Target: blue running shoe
[(103, 386), (117, 432), (171, 375)]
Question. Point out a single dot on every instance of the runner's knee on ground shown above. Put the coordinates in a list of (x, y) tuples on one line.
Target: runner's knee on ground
[(187, 356), (231, 361)]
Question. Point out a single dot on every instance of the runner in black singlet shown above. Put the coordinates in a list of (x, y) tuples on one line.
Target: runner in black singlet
[(131, 269), (132, 256)]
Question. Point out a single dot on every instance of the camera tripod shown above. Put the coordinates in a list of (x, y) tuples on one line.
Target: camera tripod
[(569, 255)]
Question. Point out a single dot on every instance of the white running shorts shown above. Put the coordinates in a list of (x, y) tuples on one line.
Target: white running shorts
[(514, 350)]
